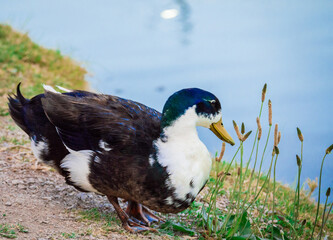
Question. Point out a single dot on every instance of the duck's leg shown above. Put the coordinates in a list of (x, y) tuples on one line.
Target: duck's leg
[(137, 211), (127, 223)]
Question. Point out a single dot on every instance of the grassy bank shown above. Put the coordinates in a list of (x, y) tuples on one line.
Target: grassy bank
[(21, 60), (237, 203)]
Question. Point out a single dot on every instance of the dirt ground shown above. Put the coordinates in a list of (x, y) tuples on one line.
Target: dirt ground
[(38, 198)]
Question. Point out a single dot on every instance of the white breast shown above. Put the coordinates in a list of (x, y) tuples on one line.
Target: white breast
[(185, 156)]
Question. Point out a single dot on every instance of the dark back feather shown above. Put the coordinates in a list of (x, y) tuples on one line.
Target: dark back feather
[(126, 126)]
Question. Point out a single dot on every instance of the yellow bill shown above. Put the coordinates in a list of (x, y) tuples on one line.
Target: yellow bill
[(221, 133)]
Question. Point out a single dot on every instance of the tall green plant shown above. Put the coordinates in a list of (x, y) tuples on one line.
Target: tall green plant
[(328, 151), (267, 139), (235, 222), (328, 192), (299, 161)]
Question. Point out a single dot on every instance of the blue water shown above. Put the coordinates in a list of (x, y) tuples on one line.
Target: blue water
[(230, 48)]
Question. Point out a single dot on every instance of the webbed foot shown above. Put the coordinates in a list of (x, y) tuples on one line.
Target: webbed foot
[(135, 227), (141, 213), (130, 224)]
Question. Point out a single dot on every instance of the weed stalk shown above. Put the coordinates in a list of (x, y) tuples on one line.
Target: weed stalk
[(274, 181), (328, 213), (299, 165), (318, 201), (328, 192)]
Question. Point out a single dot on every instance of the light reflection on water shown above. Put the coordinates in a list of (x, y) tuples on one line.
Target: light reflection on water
[(229, 48)]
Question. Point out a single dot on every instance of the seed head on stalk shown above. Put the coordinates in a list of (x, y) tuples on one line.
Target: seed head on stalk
[(329, 149), (223, 173), (276, 140), (263, 93), (276, 135), (239, 135), (277, 150), (328, 192), (270, 112), (246, 136), (243, 128), (279, 138), (259, 128), (298, 160), (300, 135), (218, 159)]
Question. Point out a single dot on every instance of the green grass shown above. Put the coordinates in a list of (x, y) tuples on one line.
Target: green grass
[(96, 215), (14, 140), (77, 235), (12, 127), (69, 235), (110, 221), (21, 60), (10, 231)]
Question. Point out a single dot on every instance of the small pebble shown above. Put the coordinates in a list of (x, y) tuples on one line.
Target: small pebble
[(31, 180), (82, 196), (16, 182), (47, 198), (21, 186)]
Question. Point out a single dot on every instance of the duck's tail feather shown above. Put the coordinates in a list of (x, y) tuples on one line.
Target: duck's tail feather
[(29, 115), (16, 105), (20, 97)]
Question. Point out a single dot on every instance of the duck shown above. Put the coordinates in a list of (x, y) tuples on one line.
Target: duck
[(124, 149)]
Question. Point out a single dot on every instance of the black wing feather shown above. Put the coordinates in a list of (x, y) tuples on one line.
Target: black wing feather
[(126, 126)]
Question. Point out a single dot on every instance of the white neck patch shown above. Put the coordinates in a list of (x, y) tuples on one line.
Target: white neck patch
[(206, 121), (187, 159)]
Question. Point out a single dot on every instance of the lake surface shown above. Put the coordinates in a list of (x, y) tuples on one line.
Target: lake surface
[(147, 50)]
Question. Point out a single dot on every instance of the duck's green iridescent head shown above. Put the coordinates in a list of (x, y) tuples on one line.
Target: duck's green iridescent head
[(207, 108)]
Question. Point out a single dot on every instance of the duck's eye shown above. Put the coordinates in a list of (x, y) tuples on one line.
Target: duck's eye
[(215, 104)]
